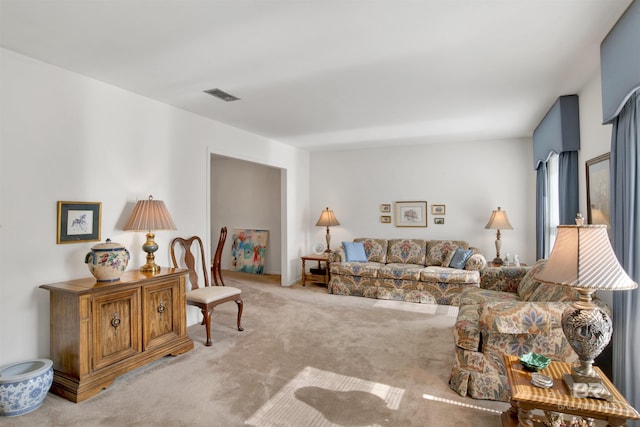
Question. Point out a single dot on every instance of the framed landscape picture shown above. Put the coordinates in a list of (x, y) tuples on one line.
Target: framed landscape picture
[(598, 190), (411, 214), (78, 222)]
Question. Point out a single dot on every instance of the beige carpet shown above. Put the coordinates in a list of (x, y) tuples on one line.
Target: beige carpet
[(306, 358)]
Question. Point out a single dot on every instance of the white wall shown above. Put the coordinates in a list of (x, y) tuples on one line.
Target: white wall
[(67, 137), (246, 195), (471, 179), (595, 139)]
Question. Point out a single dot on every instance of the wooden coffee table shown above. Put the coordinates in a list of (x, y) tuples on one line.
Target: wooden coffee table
[(525, 398)]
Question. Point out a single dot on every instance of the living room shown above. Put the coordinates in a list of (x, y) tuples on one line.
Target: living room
[(66, 136)]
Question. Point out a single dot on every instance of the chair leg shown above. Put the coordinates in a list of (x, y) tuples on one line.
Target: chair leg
[(207, 324), (240, 306)]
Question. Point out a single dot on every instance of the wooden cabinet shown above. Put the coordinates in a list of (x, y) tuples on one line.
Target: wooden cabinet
[(100, 330)]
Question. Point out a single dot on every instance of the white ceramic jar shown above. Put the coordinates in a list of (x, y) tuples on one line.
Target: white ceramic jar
[(107, 261)]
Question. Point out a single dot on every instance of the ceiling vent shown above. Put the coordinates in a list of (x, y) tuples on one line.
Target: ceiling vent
[(222, 95)]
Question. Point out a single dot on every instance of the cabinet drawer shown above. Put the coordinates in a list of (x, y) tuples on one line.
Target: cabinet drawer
[(116, 328), (161, 315)]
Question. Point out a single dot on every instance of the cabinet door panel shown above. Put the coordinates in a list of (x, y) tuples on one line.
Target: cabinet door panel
[(161, 318), (116, 331)]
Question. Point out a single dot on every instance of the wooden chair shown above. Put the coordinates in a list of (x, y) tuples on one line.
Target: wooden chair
[(207, 297), (215, 265)]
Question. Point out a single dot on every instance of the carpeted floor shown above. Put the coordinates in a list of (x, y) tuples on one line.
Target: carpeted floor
[(305, 358)]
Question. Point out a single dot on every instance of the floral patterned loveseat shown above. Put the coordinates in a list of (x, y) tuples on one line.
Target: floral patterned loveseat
[(511, 313), (412, 270)]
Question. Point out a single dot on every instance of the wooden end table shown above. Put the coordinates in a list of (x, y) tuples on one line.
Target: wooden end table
[(525, 397), (321, 278)]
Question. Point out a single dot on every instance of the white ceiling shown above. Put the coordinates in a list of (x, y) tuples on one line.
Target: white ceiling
[(330, 74)]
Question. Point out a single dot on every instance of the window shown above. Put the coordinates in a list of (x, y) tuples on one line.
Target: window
[(552, 204)]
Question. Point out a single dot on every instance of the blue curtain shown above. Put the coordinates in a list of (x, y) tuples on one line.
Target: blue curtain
[(541, 209), (569, 187), (625, 227)]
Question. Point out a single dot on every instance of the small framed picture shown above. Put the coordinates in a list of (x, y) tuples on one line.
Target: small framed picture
[(438, 220), (411, 214), (385, 219), (78, 222), (438, 210), (385, 208)]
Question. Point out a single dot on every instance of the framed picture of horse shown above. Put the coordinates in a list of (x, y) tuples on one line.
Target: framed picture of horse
[(79, 222)]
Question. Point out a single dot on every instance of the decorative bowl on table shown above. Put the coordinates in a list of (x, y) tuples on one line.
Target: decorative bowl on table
[(534, 361)]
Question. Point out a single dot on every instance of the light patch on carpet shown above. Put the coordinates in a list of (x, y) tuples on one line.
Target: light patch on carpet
[(456, 403), (443, 310), (301, 401)]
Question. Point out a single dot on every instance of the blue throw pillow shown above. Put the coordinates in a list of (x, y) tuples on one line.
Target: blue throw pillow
[(460, 258), (354, 251)]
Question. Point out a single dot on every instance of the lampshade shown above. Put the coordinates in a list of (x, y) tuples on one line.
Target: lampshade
[(582, 257), (499, 221), (149, 215), (327, 219)]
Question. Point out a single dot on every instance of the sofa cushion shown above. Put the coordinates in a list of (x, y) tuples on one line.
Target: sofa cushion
[(549, 292), (376, 249), (460, 257), (407, 251), (354, 251), (516, 317), (528, 284), (400, 271), (449, 275), (437, 250), (361, 269), (505, 279), (477, 296)]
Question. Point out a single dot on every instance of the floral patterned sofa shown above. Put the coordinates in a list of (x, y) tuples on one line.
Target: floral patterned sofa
[(412, 270), (511, 313)]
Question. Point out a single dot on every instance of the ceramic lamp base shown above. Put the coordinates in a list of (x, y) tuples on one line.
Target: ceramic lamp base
[(588, 330)]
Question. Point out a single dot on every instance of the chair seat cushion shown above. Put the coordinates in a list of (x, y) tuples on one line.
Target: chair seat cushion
[(210, 294)]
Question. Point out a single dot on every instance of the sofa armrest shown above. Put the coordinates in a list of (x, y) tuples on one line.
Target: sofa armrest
[(504, 279), (521, 317), (337, 255), (476, 262)]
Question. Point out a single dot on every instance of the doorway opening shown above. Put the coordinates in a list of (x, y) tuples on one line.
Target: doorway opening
[(245, 195)]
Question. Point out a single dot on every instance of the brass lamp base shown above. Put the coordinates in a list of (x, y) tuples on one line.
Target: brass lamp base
[(150, 247), (150, 268)]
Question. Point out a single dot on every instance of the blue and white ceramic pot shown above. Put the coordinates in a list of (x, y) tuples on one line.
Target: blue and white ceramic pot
[(24, 385)]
